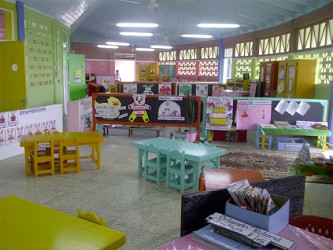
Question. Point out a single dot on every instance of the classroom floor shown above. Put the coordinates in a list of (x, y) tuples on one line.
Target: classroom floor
[(147, 213)]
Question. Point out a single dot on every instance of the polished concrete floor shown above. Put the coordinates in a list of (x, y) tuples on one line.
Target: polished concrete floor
[(149, 214)]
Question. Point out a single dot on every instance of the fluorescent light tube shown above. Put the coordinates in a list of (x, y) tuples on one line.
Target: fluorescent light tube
[(137, 25), (117, 44), (135, 34), (107, 46), (144, 49), (196, 36), (161, 47), (217, 25)]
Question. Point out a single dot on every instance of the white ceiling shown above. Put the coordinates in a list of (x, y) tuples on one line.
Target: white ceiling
[(94, 21)]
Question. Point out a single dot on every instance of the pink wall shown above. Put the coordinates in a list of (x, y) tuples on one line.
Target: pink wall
[(100, 67), (92, 52)]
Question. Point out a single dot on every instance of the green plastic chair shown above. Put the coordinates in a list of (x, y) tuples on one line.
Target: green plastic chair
[(210, 163), (155, 164), (180, 174)]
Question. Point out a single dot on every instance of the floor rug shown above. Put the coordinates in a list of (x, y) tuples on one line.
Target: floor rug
[(271, 163)]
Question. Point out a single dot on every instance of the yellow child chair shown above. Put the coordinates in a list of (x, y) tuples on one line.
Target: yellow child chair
[(155, 164), (42, 157), (180, 174), (69, 155)]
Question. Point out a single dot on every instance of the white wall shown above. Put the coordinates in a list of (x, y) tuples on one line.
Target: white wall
[(33, 119)]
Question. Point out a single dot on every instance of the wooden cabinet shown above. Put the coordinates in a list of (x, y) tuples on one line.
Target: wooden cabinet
[(268, 77), (296, 78)]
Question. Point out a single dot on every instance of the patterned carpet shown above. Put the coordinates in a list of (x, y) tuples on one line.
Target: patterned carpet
[(271, 163)]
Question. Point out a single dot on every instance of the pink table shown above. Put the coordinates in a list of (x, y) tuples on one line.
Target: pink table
[(303, 239)]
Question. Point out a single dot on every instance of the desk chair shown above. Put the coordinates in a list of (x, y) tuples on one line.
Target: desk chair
[(180, 174), (314, 224), (155, 164), (222, 177), (69, 155), (38, 133), (42, 157)]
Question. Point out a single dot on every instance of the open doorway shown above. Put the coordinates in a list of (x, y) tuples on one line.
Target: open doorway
[(126, 69)]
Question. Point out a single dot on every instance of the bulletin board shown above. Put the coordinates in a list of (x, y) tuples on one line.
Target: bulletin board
[(143, 110), (317, 111)]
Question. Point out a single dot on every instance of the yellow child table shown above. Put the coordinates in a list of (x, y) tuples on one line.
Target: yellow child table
[(91, 138), (27, 225)]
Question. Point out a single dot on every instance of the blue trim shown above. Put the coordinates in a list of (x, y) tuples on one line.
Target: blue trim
[(20, 21), (220, 60)]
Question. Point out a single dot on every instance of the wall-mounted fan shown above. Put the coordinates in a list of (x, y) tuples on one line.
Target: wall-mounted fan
[(153, 4)]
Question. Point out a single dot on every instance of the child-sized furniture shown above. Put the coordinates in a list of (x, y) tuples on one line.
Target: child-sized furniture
[(155, 164), (28, 225), (180, 173), (42, 156), (258, 141)]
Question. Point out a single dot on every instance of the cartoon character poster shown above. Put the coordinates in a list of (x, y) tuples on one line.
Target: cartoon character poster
[(10, 135), (13, 118), (201, 90), (4, 119), (185, 89), (2, 137), (170, 109), (164, 89), (252, 112), (130, 88), (19, 131), (139, 108), (109, 110), (219, 113)]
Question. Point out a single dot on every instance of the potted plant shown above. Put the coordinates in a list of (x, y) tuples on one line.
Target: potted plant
[(88, 124), (190, 113)]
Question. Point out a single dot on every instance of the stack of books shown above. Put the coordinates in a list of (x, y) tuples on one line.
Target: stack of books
[(224, 232)]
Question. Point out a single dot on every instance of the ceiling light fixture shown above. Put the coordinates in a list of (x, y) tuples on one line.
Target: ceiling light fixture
[(218, 25), (196, 36), (161, 47), (144, 49), (107, 46), (135, 34), (117, 44), (137, 25)]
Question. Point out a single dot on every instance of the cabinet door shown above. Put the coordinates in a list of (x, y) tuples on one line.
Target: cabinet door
[(281, 86), (291, 79), (12, 76)]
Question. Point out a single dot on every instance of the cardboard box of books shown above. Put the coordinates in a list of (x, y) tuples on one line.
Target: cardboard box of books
[(273, 222)]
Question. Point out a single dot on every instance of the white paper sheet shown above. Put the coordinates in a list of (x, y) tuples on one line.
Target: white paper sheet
[(292, 107), (303, 108), (282, 106)]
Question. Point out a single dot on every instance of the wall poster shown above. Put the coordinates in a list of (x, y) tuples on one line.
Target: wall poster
[(252, 112), (219, 113)]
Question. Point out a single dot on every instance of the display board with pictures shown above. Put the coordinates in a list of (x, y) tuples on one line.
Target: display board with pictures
[(144, 110)]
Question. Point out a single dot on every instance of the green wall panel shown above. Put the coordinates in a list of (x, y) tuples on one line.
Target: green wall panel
[(76, 76)]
